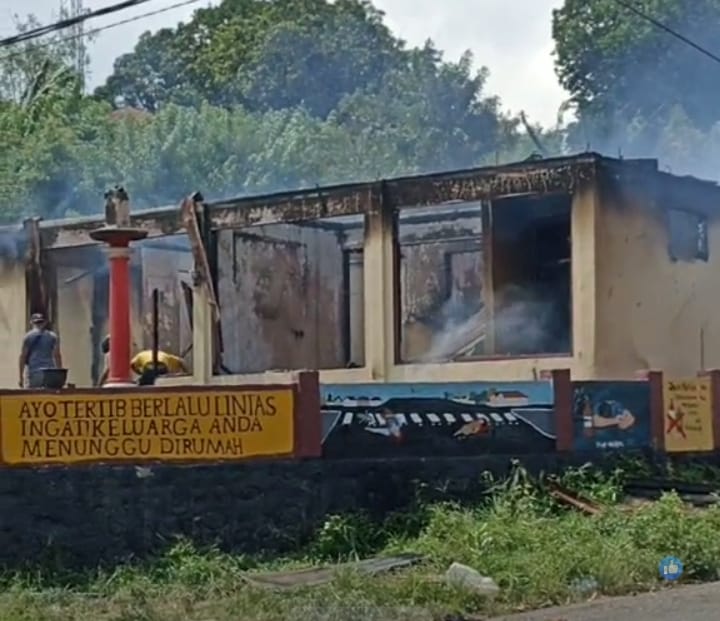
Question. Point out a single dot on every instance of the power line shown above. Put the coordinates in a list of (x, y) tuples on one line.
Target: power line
[(73, 20), (89, 33), (670, 31), (77, 8)]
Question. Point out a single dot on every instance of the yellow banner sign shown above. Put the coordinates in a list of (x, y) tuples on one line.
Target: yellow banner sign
[(688, 415), (139, 426)]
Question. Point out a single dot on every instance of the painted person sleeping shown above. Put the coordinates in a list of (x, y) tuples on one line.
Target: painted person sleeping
[(142, 365), (610, 413)]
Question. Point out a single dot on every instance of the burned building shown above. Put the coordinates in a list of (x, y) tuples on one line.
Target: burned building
[(603, 266)]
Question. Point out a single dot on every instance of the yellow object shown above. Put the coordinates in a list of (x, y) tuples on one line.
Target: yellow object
[(143, 360), (688, 418), (135, 426)]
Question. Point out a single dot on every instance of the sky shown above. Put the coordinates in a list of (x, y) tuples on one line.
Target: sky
[(511, 38)]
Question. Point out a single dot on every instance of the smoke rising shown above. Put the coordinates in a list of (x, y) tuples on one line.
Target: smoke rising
[(324, 94), (652, 95), (525, 323), (12, 245)]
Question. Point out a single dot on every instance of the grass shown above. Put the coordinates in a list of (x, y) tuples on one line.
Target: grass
[(534, 549)]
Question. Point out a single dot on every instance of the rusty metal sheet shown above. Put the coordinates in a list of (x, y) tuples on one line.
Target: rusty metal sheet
[(323, 575)]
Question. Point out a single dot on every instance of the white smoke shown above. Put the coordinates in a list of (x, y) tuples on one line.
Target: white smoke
[(524, 324)]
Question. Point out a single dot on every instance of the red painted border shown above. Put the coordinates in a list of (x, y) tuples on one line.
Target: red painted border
[(714, 375), (657, 411), (715, 391), (308, 416), (563, 398)]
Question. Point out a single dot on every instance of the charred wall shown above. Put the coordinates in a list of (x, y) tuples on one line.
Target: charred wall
[(167, 268), (13, 318), (281, 297), (80, 282), (441, 273), (654, 310)]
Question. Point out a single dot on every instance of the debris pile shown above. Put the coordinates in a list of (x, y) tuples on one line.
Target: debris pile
[(696, 494), (639, 492)]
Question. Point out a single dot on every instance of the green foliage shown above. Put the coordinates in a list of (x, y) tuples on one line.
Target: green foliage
[(431, 112), (250, 96), (264, 55), (60, 154), (626, 75), (24, 67), (538, 552), (346, 537), (602, 487)]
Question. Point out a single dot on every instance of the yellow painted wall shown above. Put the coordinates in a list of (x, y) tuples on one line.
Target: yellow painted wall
[(13, 319), (652, 313), (585, 209)]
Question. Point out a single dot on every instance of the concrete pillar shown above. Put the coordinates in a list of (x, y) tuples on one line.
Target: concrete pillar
[(202, 319), (379, 285), (584, 223)]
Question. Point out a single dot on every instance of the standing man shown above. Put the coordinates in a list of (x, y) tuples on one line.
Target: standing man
[(40, 350)]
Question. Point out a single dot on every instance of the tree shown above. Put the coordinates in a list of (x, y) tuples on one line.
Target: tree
[(623, 71), (21, 66), (40, 139), (153, 74), (223, 152), (315, 64), (434, 113), (314, 93), (262, 54), (43, 114)]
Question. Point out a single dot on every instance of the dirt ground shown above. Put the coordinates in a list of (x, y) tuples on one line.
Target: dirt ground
[(681, 603)]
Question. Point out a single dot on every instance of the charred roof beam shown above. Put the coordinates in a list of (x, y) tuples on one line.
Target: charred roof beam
[(560, 175)]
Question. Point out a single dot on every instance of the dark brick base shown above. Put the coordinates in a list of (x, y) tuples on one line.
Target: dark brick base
[(80, 517)]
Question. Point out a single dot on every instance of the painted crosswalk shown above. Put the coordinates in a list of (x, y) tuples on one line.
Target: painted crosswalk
[(423, 418), (386, 420)]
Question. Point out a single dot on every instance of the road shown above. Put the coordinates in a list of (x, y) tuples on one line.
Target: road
[(687, 603)]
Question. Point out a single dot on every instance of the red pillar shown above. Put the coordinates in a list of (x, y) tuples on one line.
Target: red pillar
[(119, 257), (118, 240)]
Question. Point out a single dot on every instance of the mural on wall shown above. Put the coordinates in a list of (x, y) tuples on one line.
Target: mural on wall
[(611, 415), (688, 425), (437, 419)]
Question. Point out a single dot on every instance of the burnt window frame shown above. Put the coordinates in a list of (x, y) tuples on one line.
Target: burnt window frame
[(679, 247)]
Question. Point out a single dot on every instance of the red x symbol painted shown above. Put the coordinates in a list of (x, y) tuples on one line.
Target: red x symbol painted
[(676, 422)]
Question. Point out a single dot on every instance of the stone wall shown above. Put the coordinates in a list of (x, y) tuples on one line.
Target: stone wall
[(84, 516)]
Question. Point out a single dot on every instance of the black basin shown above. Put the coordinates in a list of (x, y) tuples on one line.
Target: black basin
[(54, 378)]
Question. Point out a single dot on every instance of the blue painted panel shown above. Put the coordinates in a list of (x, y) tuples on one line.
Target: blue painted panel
[(611, 415), (437, 419)]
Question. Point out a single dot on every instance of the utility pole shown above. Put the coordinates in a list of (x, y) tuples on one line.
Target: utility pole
[(78, 32)]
